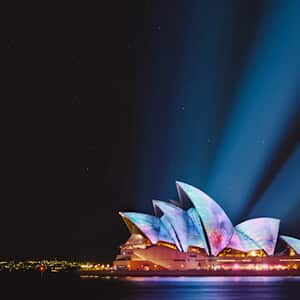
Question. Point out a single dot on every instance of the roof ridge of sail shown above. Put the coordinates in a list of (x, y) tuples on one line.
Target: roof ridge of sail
[(216, 223), (263, 230), (292, 242), (146, 223)]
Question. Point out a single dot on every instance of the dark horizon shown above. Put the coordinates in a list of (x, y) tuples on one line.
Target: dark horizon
[(105, 108)]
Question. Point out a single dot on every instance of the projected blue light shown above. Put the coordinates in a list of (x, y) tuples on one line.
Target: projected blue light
[(193, 128), (284, 193), (182, 120), (266, 101)]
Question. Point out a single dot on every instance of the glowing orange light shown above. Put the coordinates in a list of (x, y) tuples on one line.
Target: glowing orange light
[(42, 268)]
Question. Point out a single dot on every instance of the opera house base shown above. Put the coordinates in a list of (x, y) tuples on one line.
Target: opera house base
[(174, 263)]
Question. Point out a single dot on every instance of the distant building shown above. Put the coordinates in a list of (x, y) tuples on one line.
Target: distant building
[(201, 237)]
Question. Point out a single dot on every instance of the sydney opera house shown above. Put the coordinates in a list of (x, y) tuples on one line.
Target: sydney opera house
[(196, 234)]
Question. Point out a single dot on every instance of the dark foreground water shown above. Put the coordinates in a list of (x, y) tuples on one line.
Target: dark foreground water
[(93, 288)]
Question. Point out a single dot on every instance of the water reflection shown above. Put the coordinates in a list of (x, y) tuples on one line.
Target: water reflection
[(212, 288), (210, 279), (54, 287)]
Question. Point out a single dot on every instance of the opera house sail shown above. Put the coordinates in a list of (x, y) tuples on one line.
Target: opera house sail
[(201, 237)]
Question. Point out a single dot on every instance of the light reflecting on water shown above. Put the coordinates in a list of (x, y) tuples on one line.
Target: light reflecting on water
[(26, 286), (212, 288), (210, 279)]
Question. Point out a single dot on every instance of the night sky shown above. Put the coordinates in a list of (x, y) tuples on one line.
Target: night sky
[(106, 107)]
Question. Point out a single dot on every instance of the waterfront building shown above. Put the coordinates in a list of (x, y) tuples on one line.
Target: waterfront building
[(196, 234)]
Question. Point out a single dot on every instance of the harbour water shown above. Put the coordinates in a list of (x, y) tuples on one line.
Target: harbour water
[(26, 286)]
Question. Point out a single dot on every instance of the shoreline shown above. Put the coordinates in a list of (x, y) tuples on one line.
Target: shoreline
[(190, 273)]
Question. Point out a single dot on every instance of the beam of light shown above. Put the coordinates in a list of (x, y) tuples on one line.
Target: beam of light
[(181, 99), (266, 100), (284, 193), (279, 158)]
